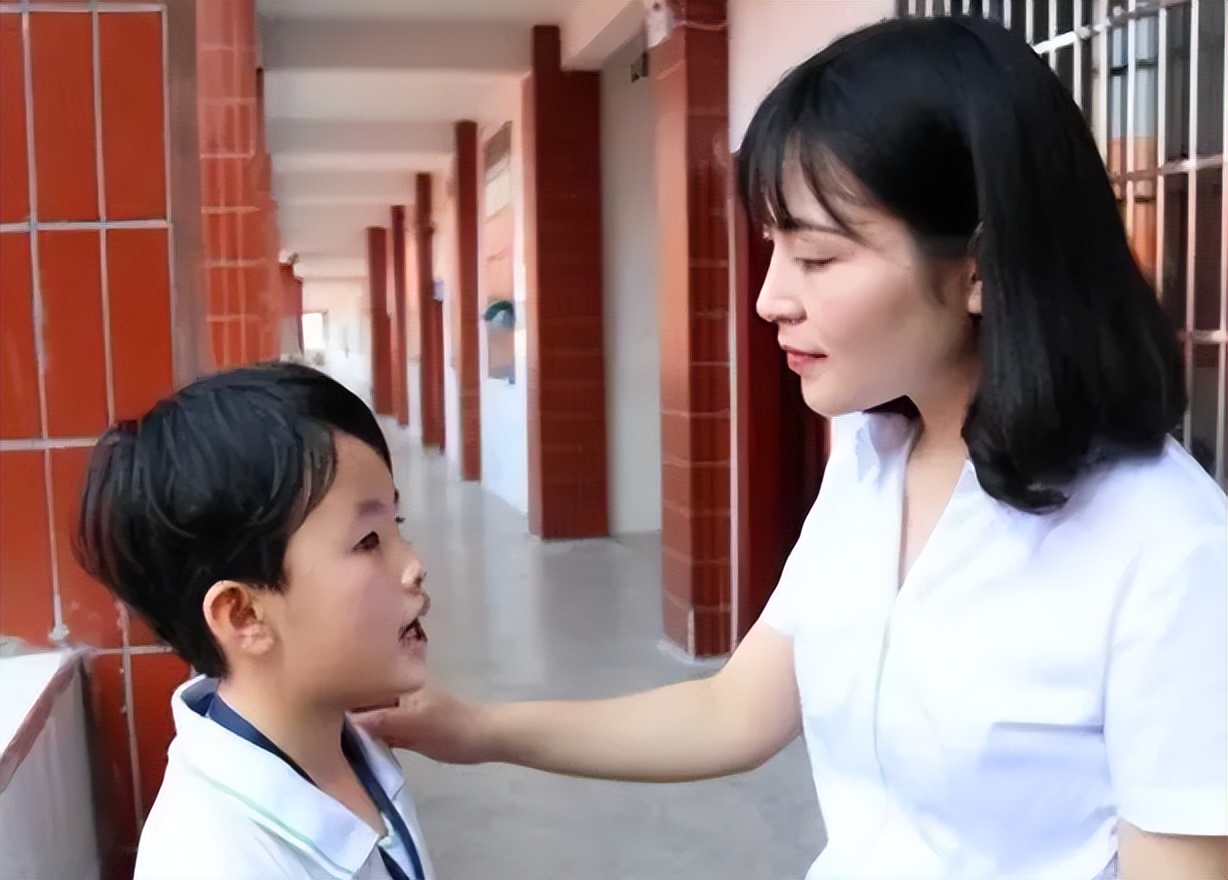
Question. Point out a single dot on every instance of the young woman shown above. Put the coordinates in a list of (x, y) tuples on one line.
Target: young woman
[(1004, 629)]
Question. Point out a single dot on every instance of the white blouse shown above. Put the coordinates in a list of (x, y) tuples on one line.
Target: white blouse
[(1037, 676)]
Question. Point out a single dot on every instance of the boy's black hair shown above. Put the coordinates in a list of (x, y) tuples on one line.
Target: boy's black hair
[(958, 128), (209, 486)]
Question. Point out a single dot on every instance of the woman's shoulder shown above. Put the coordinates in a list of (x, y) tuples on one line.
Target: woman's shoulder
[(1158, 500)]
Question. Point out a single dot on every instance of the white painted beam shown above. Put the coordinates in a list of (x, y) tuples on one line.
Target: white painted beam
[(355, 44), (596, 29), (387, 136)]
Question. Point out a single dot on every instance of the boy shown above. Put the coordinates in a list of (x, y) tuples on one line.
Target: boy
[(251, 518)]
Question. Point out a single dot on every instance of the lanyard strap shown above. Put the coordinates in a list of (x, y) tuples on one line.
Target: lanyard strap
[(221, 713)]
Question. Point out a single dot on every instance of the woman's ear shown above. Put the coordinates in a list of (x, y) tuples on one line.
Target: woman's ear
[(236, 615), (973, 287)]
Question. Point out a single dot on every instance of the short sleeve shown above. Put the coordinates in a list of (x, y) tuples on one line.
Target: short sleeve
[(1166, 702)]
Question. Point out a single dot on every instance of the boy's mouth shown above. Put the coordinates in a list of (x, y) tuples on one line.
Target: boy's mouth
[(413, 632)]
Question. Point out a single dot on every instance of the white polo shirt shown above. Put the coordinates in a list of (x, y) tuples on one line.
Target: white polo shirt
[(229, 809), (1036, 677)]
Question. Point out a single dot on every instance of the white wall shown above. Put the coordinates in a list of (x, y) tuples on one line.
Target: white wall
[(769, 37), (505, 406), (348, 327), (632, 349)]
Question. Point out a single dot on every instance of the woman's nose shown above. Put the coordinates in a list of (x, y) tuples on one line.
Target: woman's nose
[(775, 304)]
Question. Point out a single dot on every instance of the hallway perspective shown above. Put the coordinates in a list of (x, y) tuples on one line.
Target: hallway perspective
[(514, 618)]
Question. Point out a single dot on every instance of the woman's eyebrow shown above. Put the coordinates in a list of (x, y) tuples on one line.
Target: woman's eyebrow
[(793, 224)]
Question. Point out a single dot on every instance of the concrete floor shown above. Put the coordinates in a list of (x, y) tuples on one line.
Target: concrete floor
[(513, 618)]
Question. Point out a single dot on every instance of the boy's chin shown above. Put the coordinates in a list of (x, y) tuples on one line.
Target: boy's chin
[(386, 699)]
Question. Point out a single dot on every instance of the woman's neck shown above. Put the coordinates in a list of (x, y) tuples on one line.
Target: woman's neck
[(943, 411), (308, 733)]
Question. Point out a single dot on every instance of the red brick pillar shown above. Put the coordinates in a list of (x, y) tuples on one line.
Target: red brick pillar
[(400, 366), (240, 238), (465, 297), (93, 328), (430, 316), (568, 483), (690, 74), (381, 328)]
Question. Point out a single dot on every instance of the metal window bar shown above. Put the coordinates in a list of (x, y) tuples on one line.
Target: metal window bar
[(1221, 466), (1104, 71), (1137, 182), (1128, 184), (1053, 34), (1161, 193), (1191, 203), (1076, 85)]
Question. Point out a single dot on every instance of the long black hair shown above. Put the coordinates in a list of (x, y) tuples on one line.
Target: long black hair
[(958, 128)]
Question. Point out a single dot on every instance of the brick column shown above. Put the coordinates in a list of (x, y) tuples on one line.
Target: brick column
[(400, 366), (690, 74), (98, 319), (468, 371), (240, 239), (430, 316), (381, 328), (568, 491)]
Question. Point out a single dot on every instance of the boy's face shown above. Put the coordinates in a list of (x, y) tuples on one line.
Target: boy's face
[(347, 621)]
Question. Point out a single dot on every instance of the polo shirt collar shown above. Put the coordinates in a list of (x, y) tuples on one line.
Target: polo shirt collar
[(271, 792)]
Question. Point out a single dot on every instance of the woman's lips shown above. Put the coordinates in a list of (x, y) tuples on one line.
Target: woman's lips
[(803, 363)]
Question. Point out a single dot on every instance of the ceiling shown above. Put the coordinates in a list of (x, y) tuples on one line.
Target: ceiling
[(361, 95)]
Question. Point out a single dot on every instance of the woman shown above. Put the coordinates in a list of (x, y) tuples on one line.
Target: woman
[(1003, 628)]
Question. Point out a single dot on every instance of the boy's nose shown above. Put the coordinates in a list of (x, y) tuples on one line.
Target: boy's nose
[(414, 575)]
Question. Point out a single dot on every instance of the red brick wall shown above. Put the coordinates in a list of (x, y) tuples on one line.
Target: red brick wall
[(381, 327), (399, 329), (465, 300), (89, 308), (430, 317), (690, 77), (568, 492), (240, 240)]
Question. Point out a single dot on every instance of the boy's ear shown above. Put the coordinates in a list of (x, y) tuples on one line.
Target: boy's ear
[(238, 619)]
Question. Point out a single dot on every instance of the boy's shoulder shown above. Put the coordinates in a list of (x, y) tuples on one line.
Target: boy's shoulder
[(229, 808), (196, 833)]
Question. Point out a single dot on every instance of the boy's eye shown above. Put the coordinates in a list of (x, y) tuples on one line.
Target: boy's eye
[(369, 543)]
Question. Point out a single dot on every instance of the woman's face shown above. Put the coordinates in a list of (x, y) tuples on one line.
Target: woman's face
[(866, 320)]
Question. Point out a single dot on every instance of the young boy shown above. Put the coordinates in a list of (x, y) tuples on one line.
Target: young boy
[(251, 518)]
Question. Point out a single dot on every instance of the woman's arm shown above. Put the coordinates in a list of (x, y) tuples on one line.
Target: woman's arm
[(729, 723), (1146, 856)]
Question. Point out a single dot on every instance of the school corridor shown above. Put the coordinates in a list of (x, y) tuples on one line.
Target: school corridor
[(509, 226)]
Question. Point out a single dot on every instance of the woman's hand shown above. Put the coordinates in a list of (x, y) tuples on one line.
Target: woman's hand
[(728, 723), (432, 722)]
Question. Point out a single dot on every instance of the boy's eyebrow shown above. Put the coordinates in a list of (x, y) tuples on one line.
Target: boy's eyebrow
[(374, 505)]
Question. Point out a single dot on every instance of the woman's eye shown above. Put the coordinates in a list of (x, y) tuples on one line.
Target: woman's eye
[(369, 543), (814, 265), (400, 520)]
